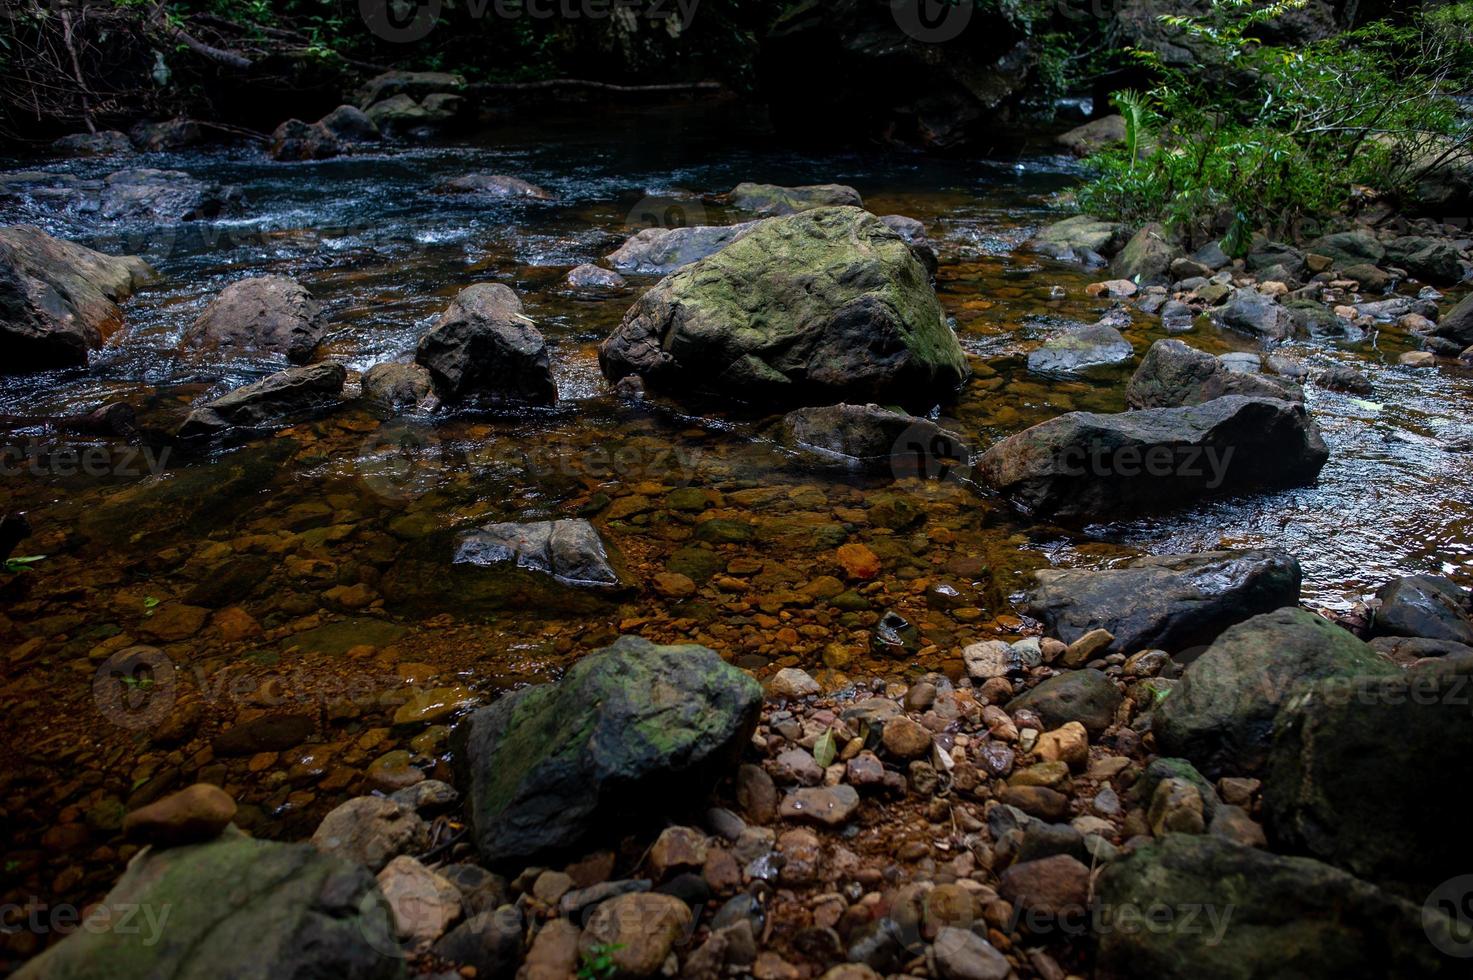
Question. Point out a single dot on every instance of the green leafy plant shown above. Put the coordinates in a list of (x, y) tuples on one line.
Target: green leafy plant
[(21, 563), (598, 962), (1255, 135)]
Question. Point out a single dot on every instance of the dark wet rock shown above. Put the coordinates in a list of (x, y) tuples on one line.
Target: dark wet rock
[(1368, 277), (1457, 326), (192, 815), (629, 729), (914, 234), (1086, 696), (285, 397), (1434, 260), (1428, 606), (660, 251), (1319, 321), (264, 733), (873, 438), (1164, 602), (1079, 349), (484, 346), (1257, 915), (266, 314), (571, 551), (1252, 312), (1349, 248), (1220, 715), (350, 125), (772, 200), (495, 185), (1085, 465), (58, 300), (1267, 256), (490, 941), (298, 140), (1147, 257), (1174, 374), (1407, 649), (1359, 774), (306, 915), (1343, 377), (596, 279), (398, 388), (1093, 136), (817, 306), (1077, 238), (108, 142), (402, 114), (163, 195), (171, 134)]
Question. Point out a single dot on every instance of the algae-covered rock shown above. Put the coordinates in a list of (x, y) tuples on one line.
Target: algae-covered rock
[(237, 907), (630, 730), (825, 305)]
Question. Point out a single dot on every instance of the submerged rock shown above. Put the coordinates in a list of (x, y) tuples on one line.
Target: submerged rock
[(163, 195), (571, 551), (773, 200), (265, 314), (189, 909), (495, 185), (824, 304), (873, 438), (397, 388), (483, 346), (1173, 374), (1079, 349), (596, 279), (1238, 913), (1221, 714), (660, 251), (58, 300), (631, 730), (1359, 774), (1085, 465), (1164, 602), (285, 397)]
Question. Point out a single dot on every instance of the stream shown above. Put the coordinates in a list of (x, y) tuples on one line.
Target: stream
[(317, 554)]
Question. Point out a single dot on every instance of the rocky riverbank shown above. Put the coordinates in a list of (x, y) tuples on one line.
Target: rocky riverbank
[(827, 742)]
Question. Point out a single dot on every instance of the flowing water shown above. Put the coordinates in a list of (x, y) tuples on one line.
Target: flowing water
[(304, 577)]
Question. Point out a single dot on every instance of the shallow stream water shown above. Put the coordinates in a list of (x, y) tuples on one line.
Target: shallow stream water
[(318, 556)]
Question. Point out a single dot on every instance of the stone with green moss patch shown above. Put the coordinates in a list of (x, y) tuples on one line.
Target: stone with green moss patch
[(630, 728)]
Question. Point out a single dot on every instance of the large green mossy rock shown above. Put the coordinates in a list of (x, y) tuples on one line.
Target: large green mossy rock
[(1371, 774), (630, 730), (235, 908), (1221, 714), (822, 306), (1202, 908)]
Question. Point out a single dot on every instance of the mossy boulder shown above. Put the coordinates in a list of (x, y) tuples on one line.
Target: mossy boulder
[(822, 306), (631, 730), (1221, 715), (1365, 773), (197, 911), (1192, 907)]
